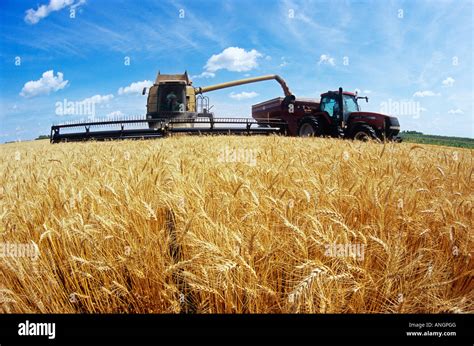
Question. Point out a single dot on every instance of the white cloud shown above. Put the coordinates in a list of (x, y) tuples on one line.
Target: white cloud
[(77, 4), (455, 111), (367, 92), (243, 95), (326, 59), (233, 59), (98, 99), (205, 74), (46, 84), (449, 82), (283, 62), (425, 93), (135, 87), (34, 16)]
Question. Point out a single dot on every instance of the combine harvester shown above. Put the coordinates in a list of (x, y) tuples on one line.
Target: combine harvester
[(174, 105)]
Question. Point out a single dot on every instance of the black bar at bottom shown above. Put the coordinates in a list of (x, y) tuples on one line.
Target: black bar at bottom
[(242, 329)]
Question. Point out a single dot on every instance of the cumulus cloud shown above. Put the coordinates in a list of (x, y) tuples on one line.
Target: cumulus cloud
[(326, 59), (98, 99), (425, 93), (449, 82), (243, 95), (45, 85), (34, 16), (135, 87), (205, 74), (455, 111), (233, 59)]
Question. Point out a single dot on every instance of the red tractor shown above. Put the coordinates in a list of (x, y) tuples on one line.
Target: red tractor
[(338, 114)]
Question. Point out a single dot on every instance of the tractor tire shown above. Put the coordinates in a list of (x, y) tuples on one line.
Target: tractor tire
[(365, 133), (309, 127)]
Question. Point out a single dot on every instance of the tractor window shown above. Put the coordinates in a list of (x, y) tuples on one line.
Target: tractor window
[(350, 104), (330, 105), (171, 98)]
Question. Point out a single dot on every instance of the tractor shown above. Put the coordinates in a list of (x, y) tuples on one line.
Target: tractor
[(337, 114)]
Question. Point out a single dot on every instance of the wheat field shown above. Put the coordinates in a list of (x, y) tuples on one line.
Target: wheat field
[(236, 225)]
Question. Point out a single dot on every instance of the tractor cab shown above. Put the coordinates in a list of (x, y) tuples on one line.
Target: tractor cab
[(339, 109)]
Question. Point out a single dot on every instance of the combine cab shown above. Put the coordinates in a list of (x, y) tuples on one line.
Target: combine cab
[(173, 97)]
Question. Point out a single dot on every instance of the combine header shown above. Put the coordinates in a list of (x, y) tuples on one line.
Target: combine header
[(174, 105), (161, 127)]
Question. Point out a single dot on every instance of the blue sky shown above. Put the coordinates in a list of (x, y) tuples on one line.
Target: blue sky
[(412, 58)]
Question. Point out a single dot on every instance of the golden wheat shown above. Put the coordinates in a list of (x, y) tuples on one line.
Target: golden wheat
[(236, 225)]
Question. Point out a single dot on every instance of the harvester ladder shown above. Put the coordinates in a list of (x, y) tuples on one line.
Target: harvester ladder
[(202, 104)]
